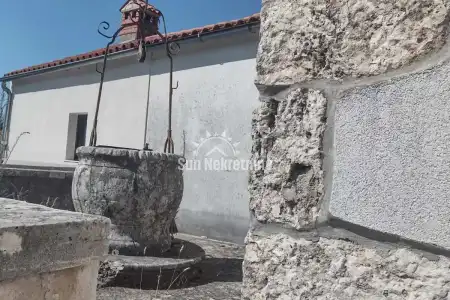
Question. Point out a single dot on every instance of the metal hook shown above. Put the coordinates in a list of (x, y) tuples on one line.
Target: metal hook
[(104, 26), (96, 69), (199, 37), (174, 48), (169, 146), (174, 88)]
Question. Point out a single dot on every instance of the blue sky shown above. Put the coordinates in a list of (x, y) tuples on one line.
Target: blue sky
[(38, 31)]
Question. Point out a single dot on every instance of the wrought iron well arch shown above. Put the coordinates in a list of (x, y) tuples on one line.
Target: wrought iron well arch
[(172, 49)]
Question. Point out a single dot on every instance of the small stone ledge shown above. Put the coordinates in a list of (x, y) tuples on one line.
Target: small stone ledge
[(36, 239), (337, 228), (265, 230), (279, 266), (340, 230), (21, 172)]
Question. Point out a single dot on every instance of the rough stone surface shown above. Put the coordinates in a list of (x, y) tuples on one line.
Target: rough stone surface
[(287, 140), (37, 239), (388, 160), (281, 267), (140, 191), (391, 159), (78, 283), (108, 271), (310, 39)]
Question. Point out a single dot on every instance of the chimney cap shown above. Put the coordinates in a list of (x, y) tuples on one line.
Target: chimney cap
[(131, 5)]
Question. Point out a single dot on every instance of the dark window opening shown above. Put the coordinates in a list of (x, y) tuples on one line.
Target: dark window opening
[(76, 136), (81, 133), (127, 15)]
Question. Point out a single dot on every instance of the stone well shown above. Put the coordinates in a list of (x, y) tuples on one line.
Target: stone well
[(140, 191)]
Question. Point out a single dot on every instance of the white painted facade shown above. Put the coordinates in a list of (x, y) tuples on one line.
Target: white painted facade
[(216, 93)]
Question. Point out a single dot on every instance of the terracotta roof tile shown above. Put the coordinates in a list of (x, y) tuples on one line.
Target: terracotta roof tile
[(151, 40)]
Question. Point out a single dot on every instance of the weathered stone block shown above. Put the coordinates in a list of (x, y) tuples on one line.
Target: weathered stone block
[(78, 283), (281, 267), (287, 139), (49, 254), (309, 39), (391, 168)]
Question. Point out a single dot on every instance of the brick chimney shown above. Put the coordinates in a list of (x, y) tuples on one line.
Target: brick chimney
[(130, 17)]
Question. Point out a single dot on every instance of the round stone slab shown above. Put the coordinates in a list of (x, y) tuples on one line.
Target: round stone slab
[(151, 263), (182, 254), (170, 269)]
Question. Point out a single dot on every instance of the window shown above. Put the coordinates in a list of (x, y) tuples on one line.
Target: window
[(76, 136)]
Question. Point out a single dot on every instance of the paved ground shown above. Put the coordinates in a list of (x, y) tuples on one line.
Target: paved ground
[(221, 277)]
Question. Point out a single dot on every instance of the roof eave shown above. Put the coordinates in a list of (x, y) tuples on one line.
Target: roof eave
[(84, 62), (120, 53)]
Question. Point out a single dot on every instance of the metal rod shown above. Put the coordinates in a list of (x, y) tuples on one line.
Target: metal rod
[(141, 53), (93, 139), (147, 108), (148, 98), (169, 146), (6, 125)]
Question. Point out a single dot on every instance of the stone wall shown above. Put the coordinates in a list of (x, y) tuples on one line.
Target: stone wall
[(353, 130), (45, 185), (49, 254)]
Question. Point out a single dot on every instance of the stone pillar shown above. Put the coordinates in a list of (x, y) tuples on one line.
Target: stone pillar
[(353, 130), (49, 254)]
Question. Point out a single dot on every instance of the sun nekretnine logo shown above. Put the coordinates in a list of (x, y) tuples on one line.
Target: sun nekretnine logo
[(217, 152), (214, 145)]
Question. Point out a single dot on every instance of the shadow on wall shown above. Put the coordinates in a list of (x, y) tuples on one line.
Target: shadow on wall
[(214, 54)]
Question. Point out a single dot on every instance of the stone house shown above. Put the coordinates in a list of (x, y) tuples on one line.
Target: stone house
[(214, 71)]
